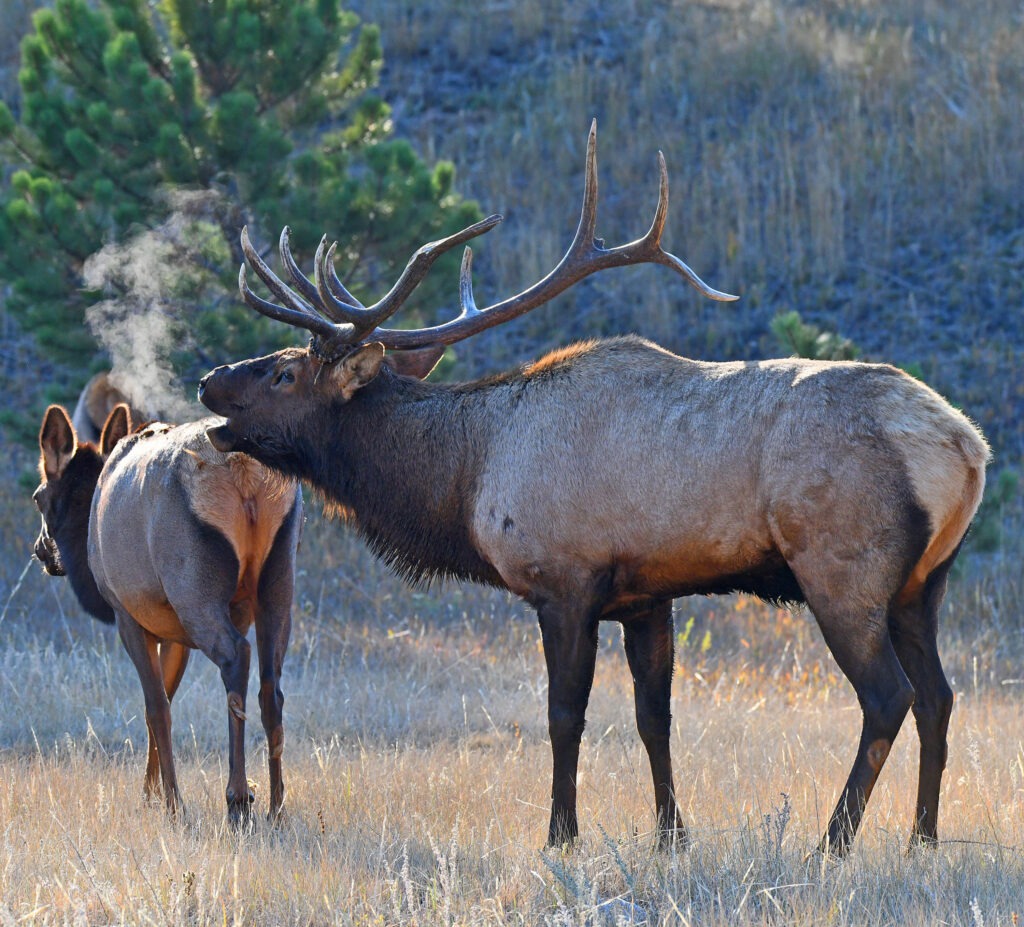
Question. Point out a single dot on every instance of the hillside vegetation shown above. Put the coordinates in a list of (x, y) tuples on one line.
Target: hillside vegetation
[(859, 161)]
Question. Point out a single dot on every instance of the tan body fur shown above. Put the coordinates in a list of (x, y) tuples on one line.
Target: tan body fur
[(747, 461), (155, 471)]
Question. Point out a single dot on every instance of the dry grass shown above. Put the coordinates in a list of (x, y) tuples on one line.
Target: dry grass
[(418, 769), (444, 826)]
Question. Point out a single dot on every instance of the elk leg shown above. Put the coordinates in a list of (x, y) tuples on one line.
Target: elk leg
[(865, 654), (234, 672), (649, 650), (913, 627), (142, 648), (210, 627), (173, 660), (569, 633), (273, 628)]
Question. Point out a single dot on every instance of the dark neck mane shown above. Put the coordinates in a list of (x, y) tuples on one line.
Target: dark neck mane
[(71, 533), (403, 458)]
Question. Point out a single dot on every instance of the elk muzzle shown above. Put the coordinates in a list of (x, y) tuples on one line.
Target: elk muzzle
[(46, 552), (215, 393)]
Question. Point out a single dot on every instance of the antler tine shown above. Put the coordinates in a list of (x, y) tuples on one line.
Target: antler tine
[(302, 283), (467, 302), (585, 237), (334, 281), (313, 323), (327, 302), (274, 283), (650, 244), (661, 210), (586, 255)]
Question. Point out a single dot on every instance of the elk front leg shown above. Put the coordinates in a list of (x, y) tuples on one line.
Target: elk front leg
[(142, 648), (569, 633), (649, 651)]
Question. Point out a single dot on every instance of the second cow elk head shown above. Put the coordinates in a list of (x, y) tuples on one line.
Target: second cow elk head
[(608, 478)]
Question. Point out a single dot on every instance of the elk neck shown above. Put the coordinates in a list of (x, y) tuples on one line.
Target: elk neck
[(404, 458), (71, 531)]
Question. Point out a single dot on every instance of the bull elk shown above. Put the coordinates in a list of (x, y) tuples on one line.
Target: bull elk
[(608, 478), (185, 548)]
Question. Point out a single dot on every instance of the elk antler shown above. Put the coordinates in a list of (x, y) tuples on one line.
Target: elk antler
[(337, 319)]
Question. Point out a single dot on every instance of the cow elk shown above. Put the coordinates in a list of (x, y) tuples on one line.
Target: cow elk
[(95, 403), (185, 548), (608, 478)]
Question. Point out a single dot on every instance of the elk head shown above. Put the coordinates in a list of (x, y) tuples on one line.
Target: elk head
[(69, 472), (265, 399)]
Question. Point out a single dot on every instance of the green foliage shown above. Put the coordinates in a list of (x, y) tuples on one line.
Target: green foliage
[(805, 340), (263, 104)]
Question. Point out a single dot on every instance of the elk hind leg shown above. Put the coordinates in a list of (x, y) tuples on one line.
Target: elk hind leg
[(273, 628), (913, 626), (173, 660), (864, 651), (142, 649), (649, 651), (569, 634), (210, 626), (233, 656)]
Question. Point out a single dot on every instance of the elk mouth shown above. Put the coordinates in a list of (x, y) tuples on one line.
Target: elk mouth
[(47, 554)]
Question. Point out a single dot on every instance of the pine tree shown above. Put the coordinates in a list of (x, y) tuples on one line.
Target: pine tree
[(264, 107)]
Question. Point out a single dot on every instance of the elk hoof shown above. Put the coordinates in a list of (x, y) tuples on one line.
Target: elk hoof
[(677, 838), (240, 808)]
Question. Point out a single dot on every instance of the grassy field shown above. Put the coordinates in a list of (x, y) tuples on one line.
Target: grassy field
[(417, 767)]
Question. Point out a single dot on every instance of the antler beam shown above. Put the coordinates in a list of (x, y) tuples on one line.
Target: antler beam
[(337, 319)]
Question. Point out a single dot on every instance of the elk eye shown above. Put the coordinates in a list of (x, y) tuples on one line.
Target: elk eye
[(285, 376)]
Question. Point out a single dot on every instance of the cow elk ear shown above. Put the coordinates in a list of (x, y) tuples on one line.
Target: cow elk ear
[(416, 362), (57, 443), (358, 369), (118, 424)]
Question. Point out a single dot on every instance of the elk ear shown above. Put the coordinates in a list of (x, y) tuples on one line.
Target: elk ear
[(57, 443), (356, 370), (118, 424), (417, 362)]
